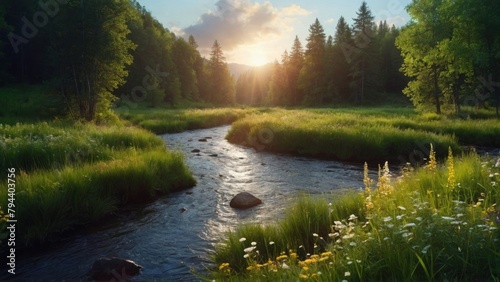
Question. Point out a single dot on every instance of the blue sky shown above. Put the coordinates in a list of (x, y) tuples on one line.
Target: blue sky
[(255, 32)]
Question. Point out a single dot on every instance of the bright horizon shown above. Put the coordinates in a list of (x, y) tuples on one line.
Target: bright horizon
[(257, 32)]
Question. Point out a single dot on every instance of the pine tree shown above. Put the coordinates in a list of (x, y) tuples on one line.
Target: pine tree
[(293, 71), (312, 78), (221, 82), (362, 65), (343, 50)]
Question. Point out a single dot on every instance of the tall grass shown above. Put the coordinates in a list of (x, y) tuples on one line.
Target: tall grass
[(70, 175), (354, 136), (438, 222), (161, 121), (45, 146)]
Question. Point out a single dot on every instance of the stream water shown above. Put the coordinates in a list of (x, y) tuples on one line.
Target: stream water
[(174, 236)]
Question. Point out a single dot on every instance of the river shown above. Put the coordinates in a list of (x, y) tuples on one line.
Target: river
[(174, 236)]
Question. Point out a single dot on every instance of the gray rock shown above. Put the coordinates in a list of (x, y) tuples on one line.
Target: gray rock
[(244, 200), (195, 151), (105, 269), (213, 155), (203, 140)]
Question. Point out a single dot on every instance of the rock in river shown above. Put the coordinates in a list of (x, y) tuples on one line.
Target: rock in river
[(106, 269), (244, 200)]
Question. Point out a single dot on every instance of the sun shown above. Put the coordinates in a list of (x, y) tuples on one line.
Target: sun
[(257, 59)]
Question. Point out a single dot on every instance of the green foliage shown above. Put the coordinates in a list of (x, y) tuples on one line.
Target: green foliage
[(25, 103), (91, 60), (74, 174), (354, 135), (172, 121), (221, 81), (445, 47), (312, 80), (414, 229)]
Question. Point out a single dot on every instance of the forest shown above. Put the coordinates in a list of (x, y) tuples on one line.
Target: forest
[(119, 137), (94, 55)]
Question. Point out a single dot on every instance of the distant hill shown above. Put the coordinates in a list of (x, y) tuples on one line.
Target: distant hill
[(237, 69)]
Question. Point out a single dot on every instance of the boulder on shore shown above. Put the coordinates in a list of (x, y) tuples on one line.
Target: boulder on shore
[(106, 269), (244, 200)]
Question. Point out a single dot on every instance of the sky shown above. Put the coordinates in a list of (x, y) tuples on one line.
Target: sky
[(258, 32)]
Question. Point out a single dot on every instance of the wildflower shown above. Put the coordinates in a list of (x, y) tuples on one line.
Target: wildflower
[(352, 217), (425, 249), (399, 217), (349, 236), (249, 249), (282, 257), (224, 265), (243, 239), (271, 243), (285, 266), (432, 165), (353, 244), (401, 208), (451, 170), (347, 274), (411, 224), (326, 254), (315, 234), (302, 276), (447, 218), (246, 256), (253, 243), (387, 219)]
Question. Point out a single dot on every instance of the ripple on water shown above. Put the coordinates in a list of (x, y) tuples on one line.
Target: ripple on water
[(177, 233)]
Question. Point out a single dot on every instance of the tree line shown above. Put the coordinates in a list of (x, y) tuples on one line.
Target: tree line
[(358, 65), (95, 52), (451, 51)]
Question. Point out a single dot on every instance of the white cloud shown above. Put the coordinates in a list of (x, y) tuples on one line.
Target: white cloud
[(330, 21), (295, 10), (236, 23)]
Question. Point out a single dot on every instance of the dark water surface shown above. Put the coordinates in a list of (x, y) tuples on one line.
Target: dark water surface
[(175, 235)]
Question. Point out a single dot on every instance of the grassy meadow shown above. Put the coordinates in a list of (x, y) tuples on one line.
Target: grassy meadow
[(439, 222), (162, 121), (362, 134), (70, 174)]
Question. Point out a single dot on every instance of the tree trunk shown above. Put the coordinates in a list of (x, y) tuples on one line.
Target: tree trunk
[(436, 92)]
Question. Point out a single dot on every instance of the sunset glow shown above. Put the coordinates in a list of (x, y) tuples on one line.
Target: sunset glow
[(258, 32)]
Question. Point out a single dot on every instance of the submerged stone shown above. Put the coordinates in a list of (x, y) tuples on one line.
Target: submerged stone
[(244, 200), (106, 269)]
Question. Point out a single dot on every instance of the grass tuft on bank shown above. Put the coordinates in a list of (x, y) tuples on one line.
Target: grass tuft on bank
[(438, 222), (68, 175), (356, 135), (162, 121)]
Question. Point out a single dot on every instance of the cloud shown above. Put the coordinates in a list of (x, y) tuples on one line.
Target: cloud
[(239, 22), (330, 21), (296, 10)]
